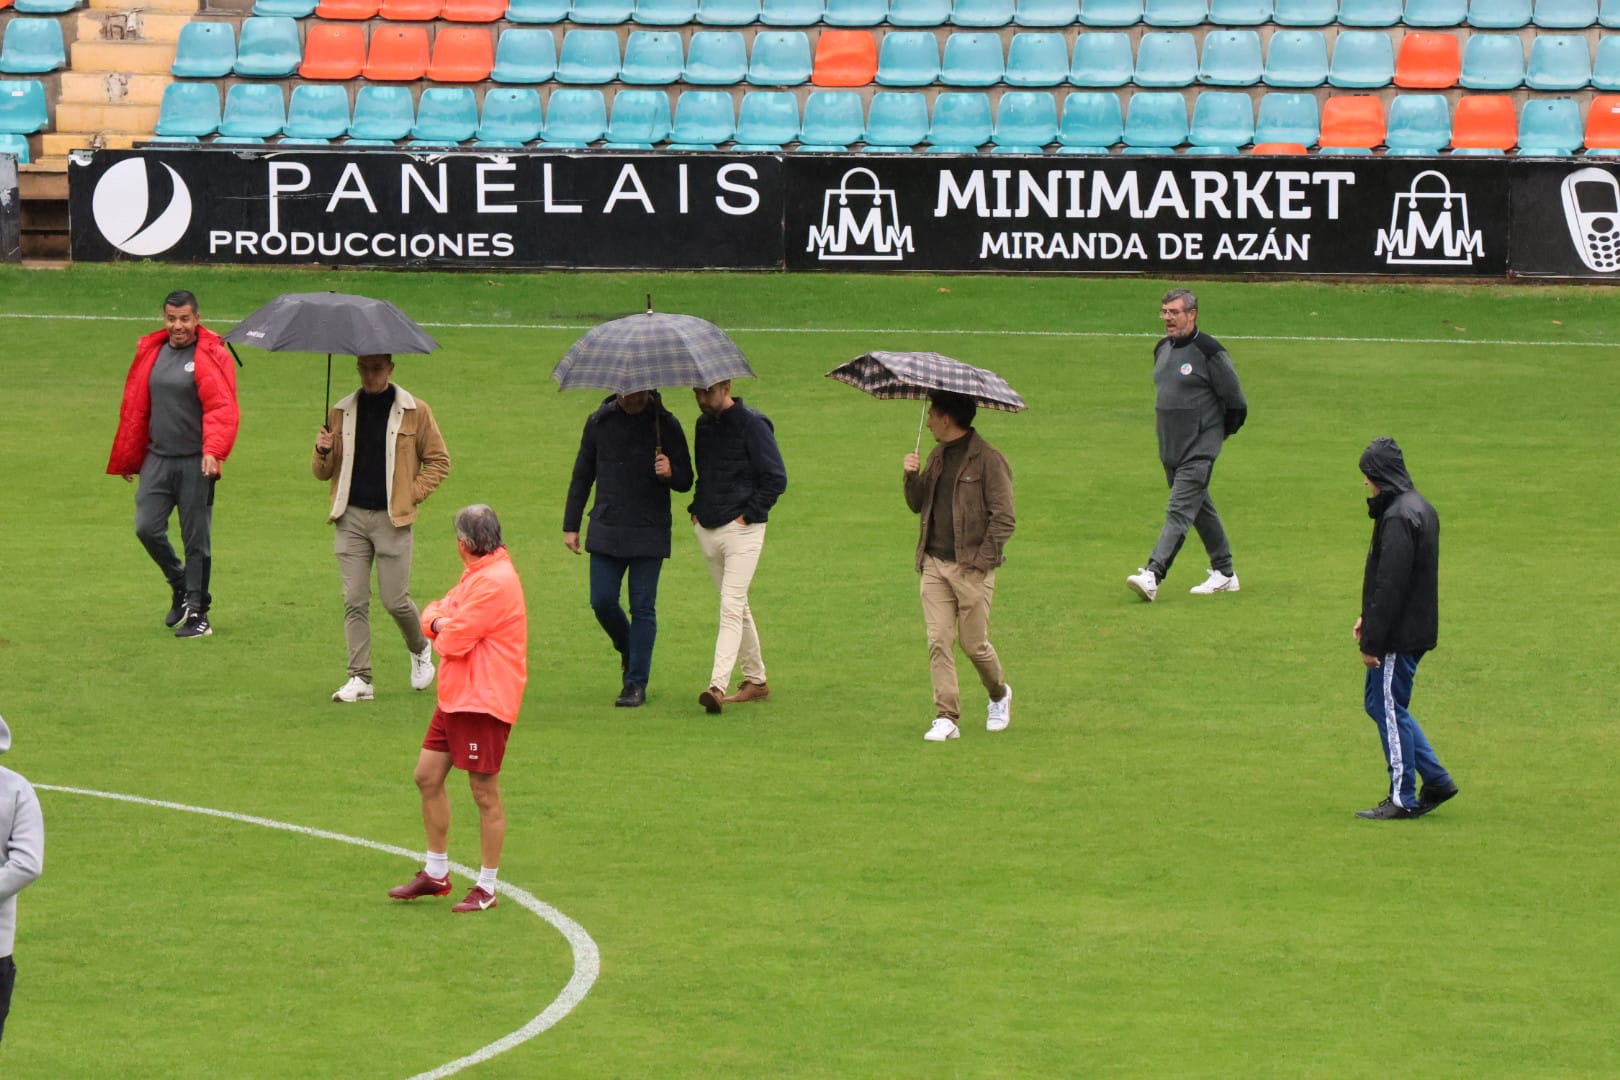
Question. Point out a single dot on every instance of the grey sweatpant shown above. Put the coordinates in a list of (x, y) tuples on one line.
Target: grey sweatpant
[(1190, 507), (167, 484)]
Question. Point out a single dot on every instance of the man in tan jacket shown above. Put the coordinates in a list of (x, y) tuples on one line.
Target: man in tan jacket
[(964, 495), (383, 453)]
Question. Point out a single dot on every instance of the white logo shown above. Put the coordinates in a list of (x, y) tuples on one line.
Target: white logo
[(1186, 369), (1429, 228), (860, 224), (191, 366), (1592, 210), (122, 209)]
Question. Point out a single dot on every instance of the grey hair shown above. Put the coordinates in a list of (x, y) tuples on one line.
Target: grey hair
[(1184, 295), (478, 528)]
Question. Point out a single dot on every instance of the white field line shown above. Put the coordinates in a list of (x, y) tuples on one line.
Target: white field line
[(587, 959), (916, 332)]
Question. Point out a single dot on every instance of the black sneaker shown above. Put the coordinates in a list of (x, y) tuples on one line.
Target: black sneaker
[(1431, 797), (177, 608), (1387, 811), (633, 697), (194, 625)]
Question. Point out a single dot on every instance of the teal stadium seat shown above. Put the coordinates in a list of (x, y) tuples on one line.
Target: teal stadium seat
[(318, 112), (1222, 121), (445, 116), (972, 59), (653, 58), (1550, 127), (536, 11), (640, 119), (1565, 15), (600, 12), (833, 119), (1092, 122), (16, 146), (528, 55), (780, 58), (919, 12), (1368, 13), (1231, 58), (1175, 12), (253, 111), (1558, 62), (792, 12), (575, 117), (984, 14), (703, 120), (269, 47), (767, 120), (1305, 12), (716, 58), (1435, 13), (908, 58), (289, 9), (1155, 121), (48, 7), (189, 109), (1037, 59), (1499, 14), (859, 13), (1102, 58), (205, 50), (1606, 65), (962, 122), (1362, 60), (1285, 117), (1296, 58), (665, 12), (511, 116), (1492, 62), (1609, 14), (32, 47), (588, 57), (1165, 59), (728, 12), (382, 114), (896, 119), (1110, 13), (1417, 124), (22, 106), (1046, 12), (1240, 12), (1026, 121)]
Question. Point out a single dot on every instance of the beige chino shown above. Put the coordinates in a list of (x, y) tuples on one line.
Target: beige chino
[(364, 536), (733, 551), (956, 610)]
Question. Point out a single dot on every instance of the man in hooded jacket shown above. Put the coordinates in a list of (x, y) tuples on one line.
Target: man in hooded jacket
[(22, 857), (1399, 622)]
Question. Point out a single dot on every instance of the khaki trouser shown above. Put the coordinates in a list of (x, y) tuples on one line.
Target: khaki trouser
[(956, 607), (733, 552), (365, 537)]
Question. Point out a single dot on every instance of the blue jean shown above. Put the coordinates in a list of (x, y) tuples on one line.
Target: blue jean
[(1406, 748), (633, 636)]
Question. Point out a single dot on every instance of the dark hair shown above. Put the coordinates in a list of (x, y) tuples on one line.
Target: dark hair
[(959, 407), (1184, 295), (478, 528), (182, 298)]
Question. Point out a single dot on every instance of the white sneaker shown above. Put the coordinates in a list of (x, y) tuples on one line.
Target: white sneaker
[(999, 714), (943, 728), (1144, 584), (1216, 582), (422, 668), (356, 689)]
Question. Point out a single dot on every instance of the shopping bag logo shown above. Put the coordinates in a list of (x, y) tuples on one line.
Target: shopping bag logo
[(860, 222), (1428, 226)]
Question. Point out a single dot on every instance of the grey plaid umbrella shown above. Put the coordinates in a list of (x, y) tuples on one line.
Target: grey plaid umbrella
[(645, 352), (913, 376)]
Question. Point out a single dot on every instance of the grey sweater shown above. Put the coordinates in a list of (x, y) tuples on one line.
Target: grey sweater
[(1199, 399), (22, 844)]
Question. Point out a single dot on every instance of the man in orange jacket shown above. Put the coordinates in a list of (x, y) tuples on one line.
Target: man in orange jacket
[(176, 427), (481, 632)]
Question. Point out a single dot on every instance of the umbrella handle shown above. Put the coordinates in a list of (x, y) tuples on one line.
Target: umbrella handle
[(920, 421), (328, 410)]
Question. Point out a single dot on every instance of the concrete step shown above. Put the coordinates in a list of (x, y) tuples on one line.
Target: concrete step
[(99, 88), (106, 117), (129, 57), (61, 143), (173, 7), (129, 26)]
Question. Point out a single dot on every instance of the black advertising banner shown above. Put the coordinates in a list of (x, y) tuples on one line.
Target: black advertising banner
[(1566, 220), (393, 209)]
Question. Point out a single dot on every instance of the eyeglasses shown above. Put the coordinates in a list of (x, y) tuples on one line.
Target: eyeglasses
[(1172, 311)]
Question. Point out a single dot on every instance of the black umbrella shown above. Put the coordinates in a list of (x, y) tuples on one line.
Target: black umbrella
[(914, 376), (331, 322)]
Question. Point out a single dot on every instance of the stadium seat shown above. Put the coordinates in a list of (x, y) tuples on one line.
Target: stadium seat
[(1418, 124), (792, 12), (896, 118), (703, 119), (780, 58), (1369, 13), (1351, 122), (1231, 58), (1278, 149), (1428, 61), (1305, 12), (1606, 66), (1165, 59), (510, 116), (46, 7), (1240, 12), (1499, 14), (1296, 58), (1362, 60), (716, 58), (269, 48), (1435, 13), (961, 123), (398, 54), (291, 9), (728, 12), (639, 118), (1602, 123), (1046, 12), (462, 54), (1102, 58), (205, 50), (575, 117), (474, 11), (1492, 62), (357, 10), (382, 113), (1156, 120), (1175, 12), (652, 58), (189, 109), (589, 57), (317, 112), (529, 55), (1025, 119), (253, 111), (845, 58), (1222, 120), (15, 145), (665, 12), (833, 118), (1286, 118), (333, 50), (22, 106), (1484, 124), (856, 12), (536, 11), (1609, 14), (598, 13), (767, 120), (983, 14), (1036, 59), (1549, 127), (972, 59), (1092, 122), (410, 10), (919, 12), (445, 115), (1110, 12), (1558, 62)]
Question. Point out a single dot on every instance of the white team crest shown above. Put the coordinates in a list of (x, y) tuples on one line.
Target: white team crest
[(191, 365), (1186, 369)]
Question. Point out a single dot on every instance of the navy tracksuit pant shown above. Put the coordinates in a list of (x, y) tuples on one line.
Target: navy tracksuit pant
[(1406, 748)]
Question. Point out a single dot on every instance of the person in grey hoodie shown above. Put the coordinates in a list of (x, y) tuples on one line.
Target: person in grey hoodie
[(1199, 403), (22, 857)]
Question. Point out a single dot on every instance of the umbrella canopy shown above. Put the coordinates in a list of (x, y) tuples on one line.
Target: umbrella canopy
[(644, 352), (913, 376), (331, 322)]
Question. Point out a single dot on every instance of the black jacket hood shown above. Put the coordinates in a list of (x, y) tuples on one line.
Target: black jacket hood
[(1383, 463)]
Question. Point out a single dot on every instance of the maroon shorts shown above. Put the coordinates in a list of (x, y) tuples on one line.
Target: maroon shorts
[(475, 741)]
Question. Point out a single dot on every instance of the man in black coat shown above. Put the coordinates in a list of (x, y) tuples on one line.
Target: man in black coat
[(1400, 621), (634, 452)]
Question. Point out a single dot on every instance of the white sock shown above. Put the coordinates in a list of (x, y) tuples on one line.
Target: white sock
[(438, 864), (486, 878)]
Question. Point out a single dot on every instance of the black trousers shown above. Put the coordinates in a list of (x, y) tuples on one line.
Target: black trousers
[(8, 979)]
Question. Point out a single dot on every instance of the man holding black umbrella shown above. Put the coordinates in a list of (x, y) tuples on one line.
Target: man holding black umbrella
[(383, 453)]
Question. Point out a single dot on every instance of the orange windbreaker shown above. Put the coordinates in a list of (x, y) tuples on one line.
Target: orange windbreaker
[(483, 640)]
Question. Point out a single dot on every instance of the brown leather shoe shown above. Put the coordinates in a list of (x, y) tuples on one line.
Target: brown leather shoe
[(712, 700), (750, 691)]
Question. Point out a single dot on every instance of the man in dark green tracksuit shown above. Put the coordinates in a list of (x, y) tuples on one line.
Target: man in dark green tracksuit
[(1199, 403)]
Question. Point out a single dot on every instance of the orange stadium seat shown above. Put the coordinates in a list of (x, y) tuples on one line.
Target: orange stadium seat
[(334, 51), (398, 54), (1354, 122), (1428, 62), (1484, 122), (411, 10), (1275, 148), (845, 58), (1603, 121), (462, 54), (475, 11), (348, 9)]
